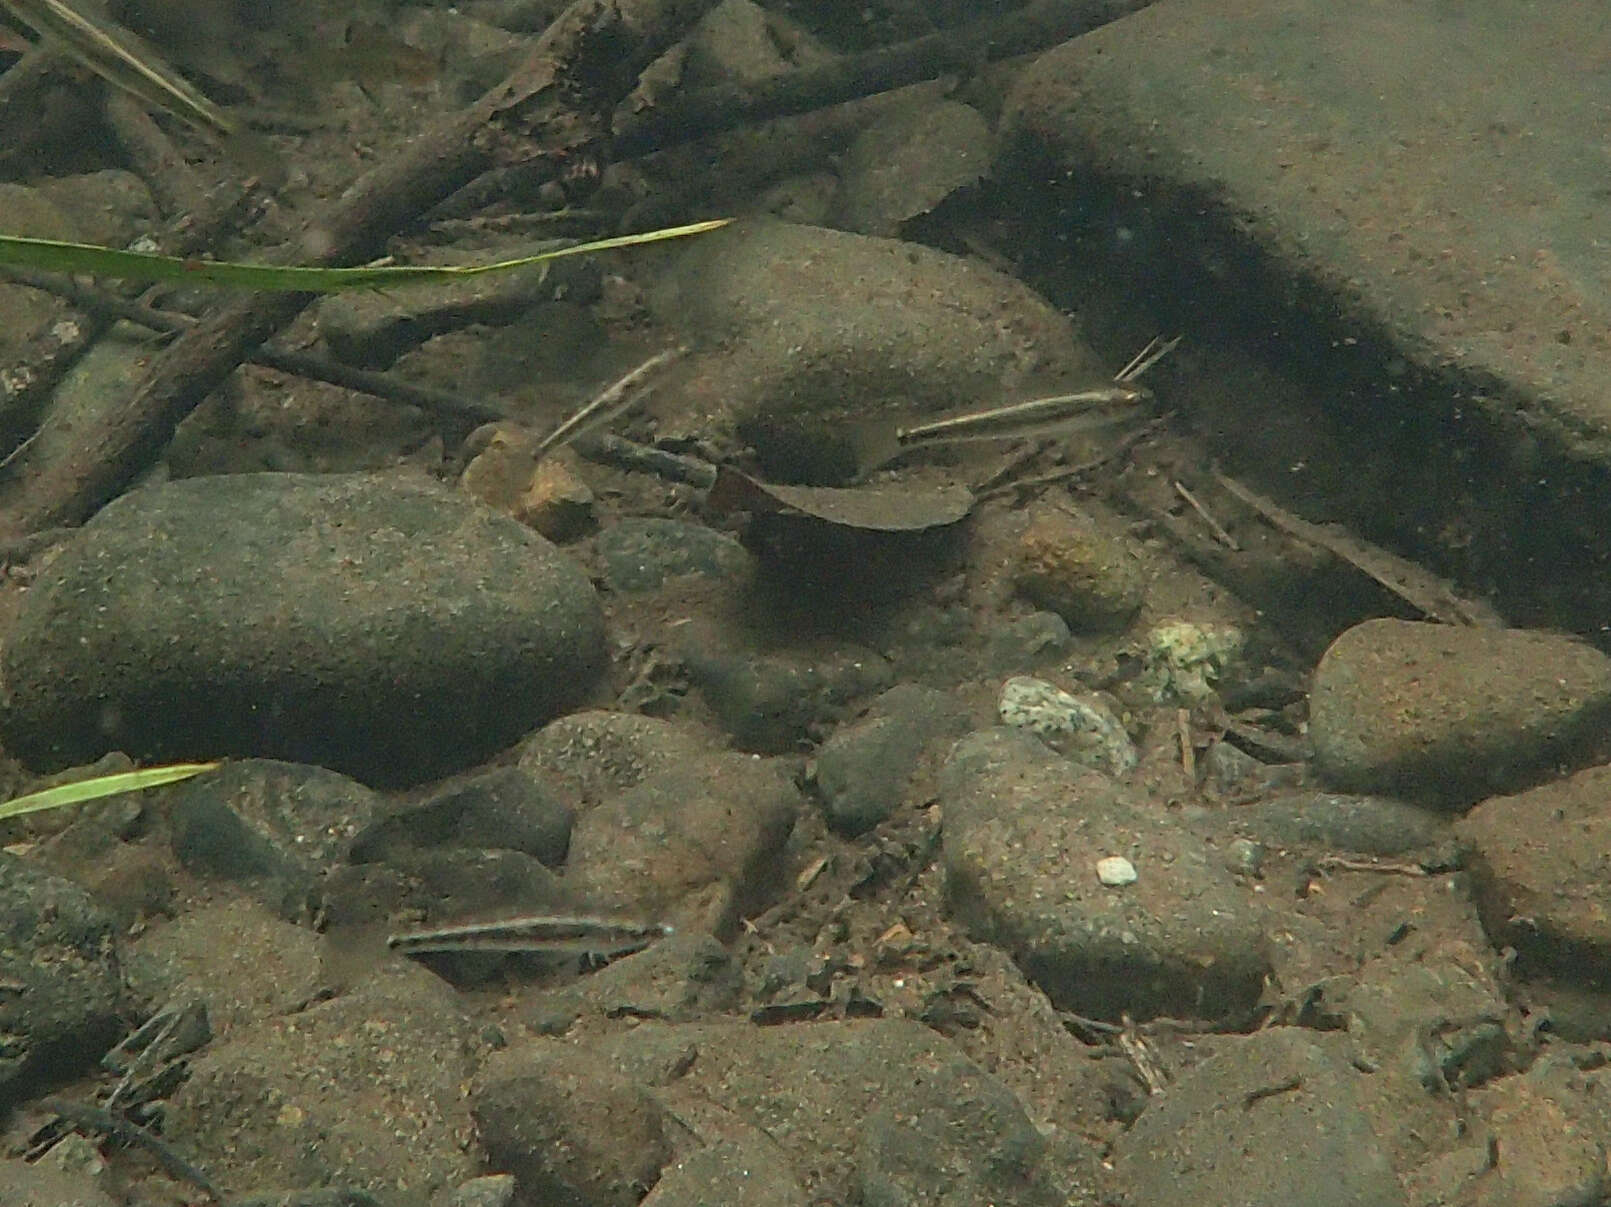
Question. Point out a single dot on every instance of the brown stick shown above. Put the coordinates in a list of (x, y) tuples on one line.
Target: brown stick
[(699, 113), (26, 386), (1418, 587), (457, 409), (556, 104), (687, 116)]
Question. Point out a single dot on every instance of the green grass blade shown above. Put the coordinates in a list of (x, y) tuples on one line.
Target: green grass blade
[(99, 786), (50, 255)]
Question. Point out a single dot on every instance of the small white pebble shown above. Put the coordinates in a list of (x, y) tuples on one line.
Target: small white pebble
[(1115, 871)]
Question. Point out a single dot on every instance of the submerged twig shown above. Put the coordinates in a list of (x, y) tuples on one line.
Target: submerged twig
[(1341, 863), (612, 402), (1214, 526), (81, 1114), (1157, 348), (705, 111), (687, 116), (1136, 1047), (531, 115), (116, 56), (607, 449), (53, 350), (174, 184), (1000, 483), (1416, 586), (387, 386)]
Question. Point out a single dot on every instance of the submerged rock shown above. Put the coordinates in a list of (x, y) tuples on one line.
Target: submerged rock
[(381, 627), (1448, 715)]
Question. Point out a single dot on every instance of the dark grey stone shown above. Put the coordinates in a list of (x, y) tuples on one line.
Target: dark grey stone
[(1407, 208), (1448, 714), (364, 1092), (1027, 642), (879, 1111), (505, 808), (909, 161), (60, 988), (1368, 825), (641, 553), (199, 956), (812, 330), (1275, 1120), (45, 1184), (459, 882), (380, 626), (743, 1173), (955, 1138), (1437, 1023), (334, 1196), (572, 1131), (679, 979), (1538, 864), (863, 770), (670, 821), (1024, 831), (490, 1190), (773, 705), (278, 827)]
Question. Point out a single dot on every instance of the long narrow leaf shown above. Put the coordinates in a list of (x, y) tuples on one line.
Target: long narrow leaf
[(99, 786), (51, 255)]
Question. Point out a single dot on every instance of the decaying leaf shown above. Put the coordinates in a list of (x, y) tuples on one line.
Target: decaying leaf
[(858, 508)]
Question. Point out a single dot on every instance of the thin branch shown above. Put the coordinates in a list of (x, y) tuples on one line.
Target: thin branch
[(610, 403), (387, 386), (95, 1119), (699, 113), (554, 107), (702, 112)]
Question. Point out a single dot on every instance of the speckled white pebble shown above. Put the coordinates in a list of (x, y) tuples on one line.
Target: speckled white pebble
[(1115, 871), (1084, 727)]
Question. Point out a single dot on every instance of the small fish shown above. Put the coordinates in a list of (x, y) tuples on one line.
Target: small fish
[(877, 443), (556, 934), (107, 50)]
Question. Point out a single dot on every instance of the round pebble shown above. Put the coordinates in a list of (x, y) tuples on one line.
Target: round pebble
[(1083, 727), (1116, 871), (1245, 857)]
